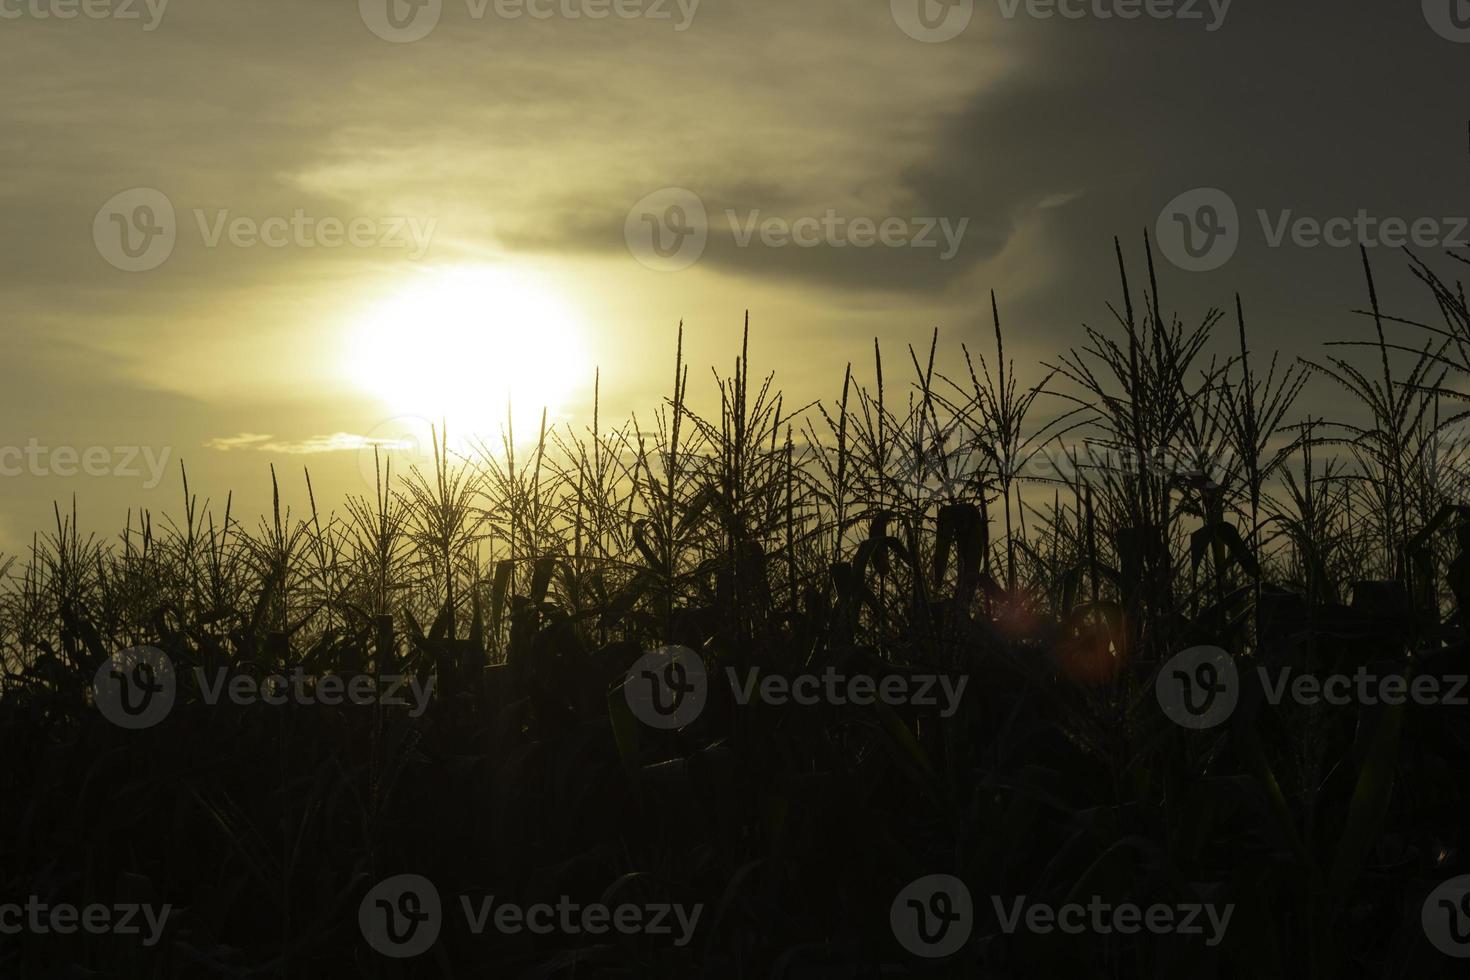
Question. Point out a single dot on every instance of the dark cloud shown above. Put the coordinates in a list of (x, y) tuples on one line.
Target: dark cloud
[(534, 138)]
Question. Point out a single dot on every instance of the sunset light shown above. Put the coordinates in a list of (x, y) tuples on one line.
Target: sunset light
[(692, 490), (459, 343)]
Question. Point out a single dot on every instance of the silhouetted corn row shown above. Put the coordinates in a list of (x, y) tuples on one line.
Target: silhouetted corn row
[(1055, 542)]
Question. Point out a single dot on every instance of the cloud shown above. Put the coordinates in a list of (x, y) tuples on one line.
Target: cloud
[(337, 442)]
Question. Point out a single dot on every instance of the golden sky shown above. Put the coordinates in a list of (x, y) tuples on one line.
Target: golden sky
[(336, 226)]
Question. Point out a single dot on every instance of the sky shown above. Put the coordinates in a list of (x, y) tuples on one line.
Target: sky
[(244, 234)]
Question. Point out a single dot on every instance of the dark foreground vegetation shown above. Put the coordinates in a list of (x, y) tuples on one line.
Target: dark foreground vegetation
[(1056, 544)]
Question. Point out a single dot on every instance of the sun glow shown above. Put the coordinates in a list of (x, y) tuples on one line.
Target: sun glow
[(462, 343)]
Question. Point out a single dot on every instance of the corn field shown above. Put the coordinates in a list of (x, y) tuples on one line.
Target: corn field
[(1156, 488)]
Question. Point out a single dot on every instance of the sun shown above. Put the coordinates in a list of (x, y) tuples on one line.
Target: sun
[(462, 344)]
